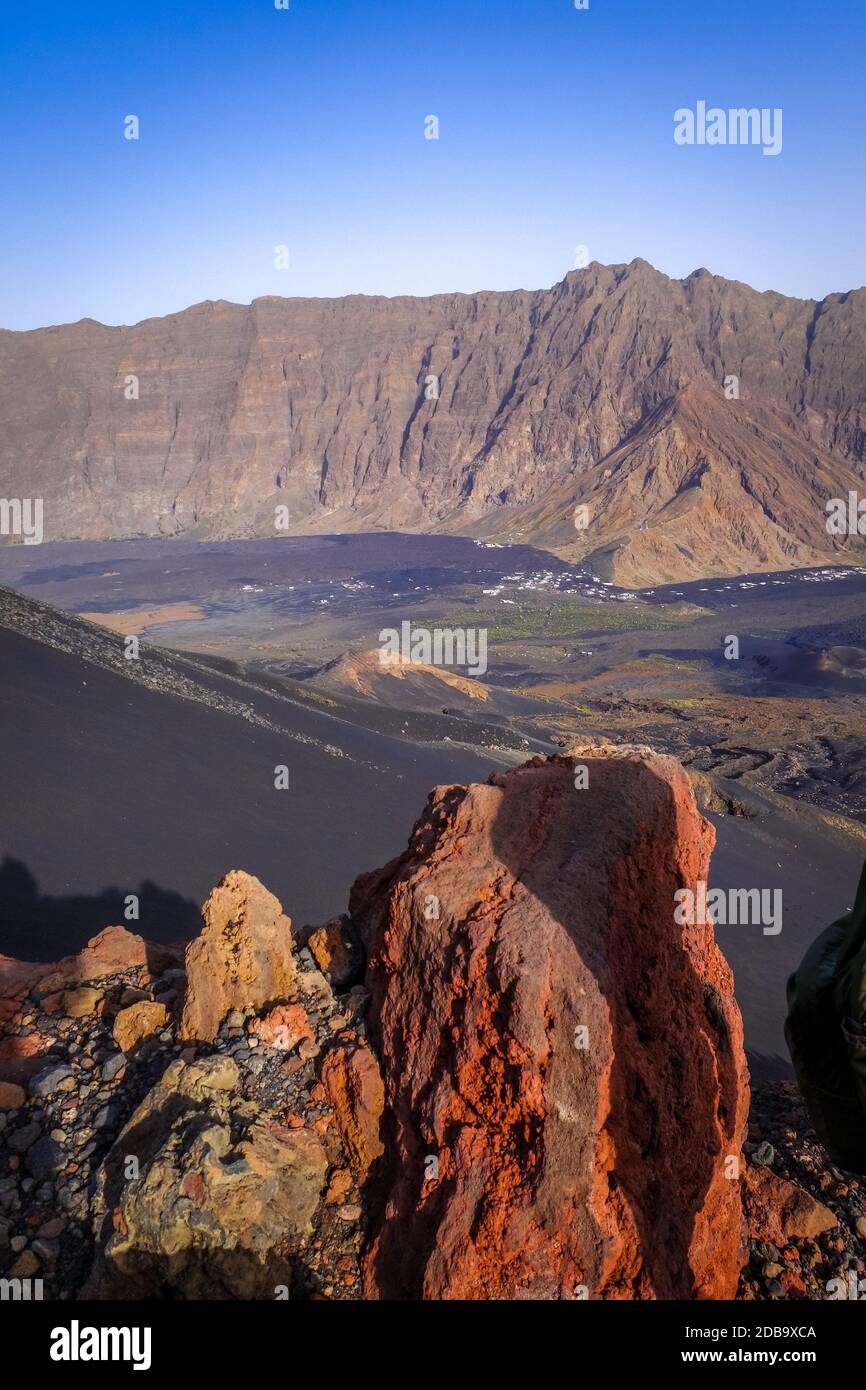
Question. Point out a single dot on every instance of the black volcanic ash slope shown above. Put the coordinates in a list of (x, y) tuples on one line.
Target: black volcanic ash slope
[(160, 772)]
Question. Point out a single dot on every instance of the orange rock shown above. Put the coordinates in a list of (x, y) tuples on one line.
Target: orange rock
[(283, 1027), (564, 1071), (335, 952), (243, 956), (113, 950), (791, 1282), (778, 1211), (25, 1045), (137, 1022), (340, 1184), (353, 1082)]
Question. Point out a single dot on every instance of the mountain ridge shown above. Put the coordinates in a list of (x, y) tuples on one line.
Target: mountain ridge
[(496, 414)]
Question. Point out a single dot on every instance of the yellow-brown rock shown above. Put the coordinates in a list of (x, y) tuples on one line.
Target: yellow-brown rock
[(138, 1022), (243, 956)]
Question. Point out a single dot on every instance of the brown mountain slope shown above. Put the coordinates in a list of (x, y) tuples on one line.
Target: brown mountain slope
[(604, 390)]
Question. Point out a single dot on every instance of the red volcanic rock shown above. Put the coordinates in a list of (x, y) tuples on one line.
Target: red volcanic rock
[(565, 1084), (778, 1211), (353, 1082), (113, 950), (283, 1027), (17, 978)]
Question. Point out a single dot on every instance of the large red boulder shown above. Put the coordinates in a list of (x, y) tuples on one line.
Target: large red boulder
[(565, 1083)]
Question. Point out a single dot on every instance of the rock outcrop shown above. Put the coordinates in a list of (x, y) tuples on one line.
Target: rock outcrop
[(205, 1199), (112, 950), (605, 391), (565, 1083), (539, 1092), (243, 956)]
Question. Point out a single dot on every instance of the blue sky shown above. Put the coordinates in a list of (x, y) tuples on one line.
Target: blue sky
[(305, 128)]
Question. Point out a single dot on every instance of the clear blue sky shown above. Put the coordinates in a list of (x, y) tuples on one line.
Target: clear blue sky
[(305, 127)]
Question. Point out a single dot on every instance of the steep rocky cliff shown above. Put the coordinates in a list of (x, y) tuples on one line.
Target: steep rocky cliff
[(494, 414)]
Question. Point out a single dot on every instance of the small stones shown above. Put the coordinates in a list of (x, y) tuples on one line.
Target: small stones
[(44, 1158), (816, 1243), (25, 1267), (313, 982), (22, 1139), (50, 1230), (12, 1096), (52, 1079), (112, 1068), (47, 1250)]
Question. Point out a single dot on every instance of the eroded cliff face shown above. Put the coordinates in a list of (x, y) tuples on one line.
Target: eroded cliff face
[(565, 1084), (605, 391)]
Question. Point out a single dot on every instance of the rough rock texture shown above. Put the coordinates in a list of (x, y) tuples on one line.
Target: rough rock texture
[(524, 912), (243, 956), (336, 952), (218, 1205), (283, 1027), (137, 1022), (606, 390), (778, 1210), (78, 1003), (112, 950), (353, 1083)]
